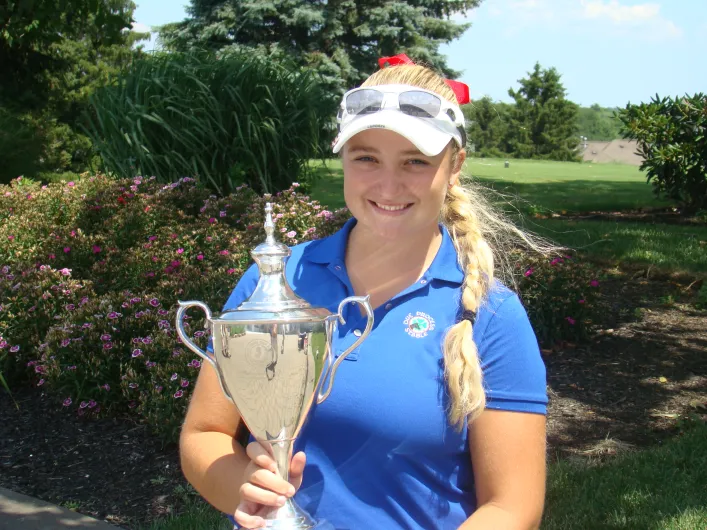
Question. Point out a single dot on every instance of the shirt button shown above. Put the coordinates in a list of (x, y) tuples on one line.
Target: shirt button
[(338, 267), (423, 282), (357, 332), (389, 306)]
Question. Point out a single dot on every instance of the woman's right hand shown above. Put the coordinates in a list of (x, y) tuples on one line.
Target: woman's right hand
[(263, 488)]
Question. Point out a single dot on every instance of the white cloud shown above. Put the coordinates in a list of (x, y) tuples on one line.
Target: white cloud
[(618, 13), (139, 27), (641, 20)]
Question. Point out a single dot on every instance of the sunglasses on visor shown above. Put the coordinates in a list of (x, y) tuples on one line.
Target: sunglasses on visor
[(415, 102)]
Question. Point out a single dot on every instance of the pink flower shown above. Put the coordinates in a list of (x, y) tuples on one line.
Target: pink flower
[(178, 394), (65, 272), (200, 257), (67, 402), (52, 256), (224, 252), (83, 404), (106, 387), (594, 283), (184, 383), (231, 271), (105, 337), (137, 352), (571, 320), (174, 377), (222, 214), (528, 272), (67, 250), (291, 234), (91, 404), (11, 237), (154, 302), (212, 220), (96, 249), (70, 184), (180, 251), (283, 229), (581, 301), (152, 238), (40, 382), (14, 349), (107, 345)]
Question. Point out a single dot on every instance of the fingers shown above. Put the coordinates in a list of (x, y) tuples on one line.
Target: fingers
[(259, 455), (297, 469), (271, 481), (244, 518)]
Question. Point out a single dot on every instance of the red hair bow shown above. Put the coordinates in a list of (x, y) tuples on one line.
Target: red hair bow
[(461, 90)]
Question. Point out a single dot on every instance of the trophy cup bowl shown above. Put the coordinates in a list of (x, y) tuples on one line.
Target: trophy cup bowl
[(273, 356)]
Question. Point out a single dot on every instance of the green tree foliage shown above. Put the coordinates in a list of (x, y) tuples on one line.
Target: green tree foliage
[(543, 123), (341, 39), (598, 123), (672, 138), (228, 120), (53, 55), (487, 126), (32, 33)]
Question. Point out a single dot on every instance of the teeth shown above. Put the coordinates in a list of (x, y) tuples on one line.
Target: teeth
[(390, 208)]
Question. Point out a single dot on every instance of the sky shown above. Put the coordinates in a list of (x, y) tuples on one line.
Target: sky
[(610, 52)]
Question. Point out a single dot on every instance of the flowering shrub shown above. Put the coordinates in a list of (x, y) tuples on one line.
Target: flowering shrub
[(92, 271), (560, 295)]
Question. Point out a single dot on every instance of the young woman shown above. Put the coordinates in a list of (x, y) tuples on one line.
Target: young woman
[(438, 419)]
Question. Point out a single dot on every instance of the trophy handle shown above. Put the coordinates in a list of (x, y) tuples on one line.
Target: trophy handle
[(181, 312), (364, 301)]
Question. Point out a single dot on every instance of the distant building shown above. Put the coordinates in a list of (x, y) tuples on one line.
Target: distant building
[(616, 151)]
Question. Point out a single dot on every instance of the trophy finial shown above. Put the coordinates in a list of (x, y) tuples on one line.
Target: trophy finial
[(269, 225)]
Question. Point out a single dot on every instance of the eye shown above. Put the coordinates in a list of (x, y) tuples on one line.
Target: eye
[(365, 158), (418, 162)]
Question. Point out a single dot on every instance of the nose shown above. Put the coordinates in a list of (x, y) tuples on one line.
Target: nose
[(391, 183)]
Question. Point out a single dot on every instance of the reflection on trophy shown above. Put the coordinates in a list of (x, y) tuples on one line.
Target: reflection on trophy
[(273, 356)]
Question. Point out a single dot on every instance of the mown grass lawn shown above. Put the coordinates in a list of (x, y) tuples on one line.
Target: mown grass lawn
[(530, 186)]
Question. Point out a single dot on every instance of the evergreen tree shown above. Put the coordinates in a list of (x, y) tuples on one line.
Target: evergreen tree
[(342, 39), (543, 123), (598, 123), (487, 125), (53, 54)]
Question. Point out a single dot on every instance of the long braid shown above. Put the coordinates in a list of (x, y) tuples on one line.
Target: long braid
[(462, 366)]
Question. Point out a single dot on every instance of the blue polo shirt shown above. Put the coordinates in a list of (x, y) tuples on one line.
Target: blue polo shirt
[(381, 452)]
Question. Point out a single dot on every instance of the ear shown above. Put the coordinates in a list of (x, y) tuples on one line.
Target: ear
[(456, 170)]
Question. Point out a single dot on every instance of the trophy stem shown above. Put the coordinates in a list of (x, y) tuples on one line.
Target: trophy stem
[(290, 516)]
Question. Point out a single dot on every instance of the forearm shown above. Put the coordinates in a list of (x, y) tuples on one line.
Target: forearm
[(494, 516), (214, 463)]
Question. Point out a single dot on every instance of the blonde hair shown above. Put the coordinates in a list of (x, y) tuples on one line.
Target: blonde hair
[(482, 238)]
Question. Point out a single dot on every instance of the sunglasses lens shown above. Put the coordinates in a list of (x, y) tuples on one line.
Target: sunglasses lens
[(364, 102), (419, 104)]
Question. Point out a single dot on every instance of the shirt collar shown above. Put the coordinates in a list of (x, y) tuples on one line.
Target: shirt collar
[(332, 249)]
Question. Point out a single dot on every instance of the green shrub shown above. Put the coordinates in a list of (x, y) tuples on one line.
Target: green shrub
[(227, 121), (671, 138), (560, 295), (138, 242)]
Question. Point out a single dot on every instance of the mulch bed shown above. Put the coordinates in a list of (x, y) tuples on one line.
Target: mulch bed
[(645, 368)]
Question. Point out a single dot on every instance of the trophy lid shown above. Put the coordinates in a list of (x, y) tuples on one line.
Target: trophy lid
[(273, 300)]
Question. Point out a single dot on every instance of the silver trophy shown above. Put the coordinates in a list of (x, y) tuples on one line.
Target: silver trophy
[(273, 356)]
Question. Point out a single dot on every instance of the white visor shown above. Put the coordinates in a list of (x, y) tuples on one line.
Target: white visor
[(429, 135)]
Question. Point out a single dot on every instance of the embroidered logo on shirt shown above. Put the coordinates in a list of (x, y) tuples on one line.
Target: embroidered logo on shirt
[(419, 324)]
